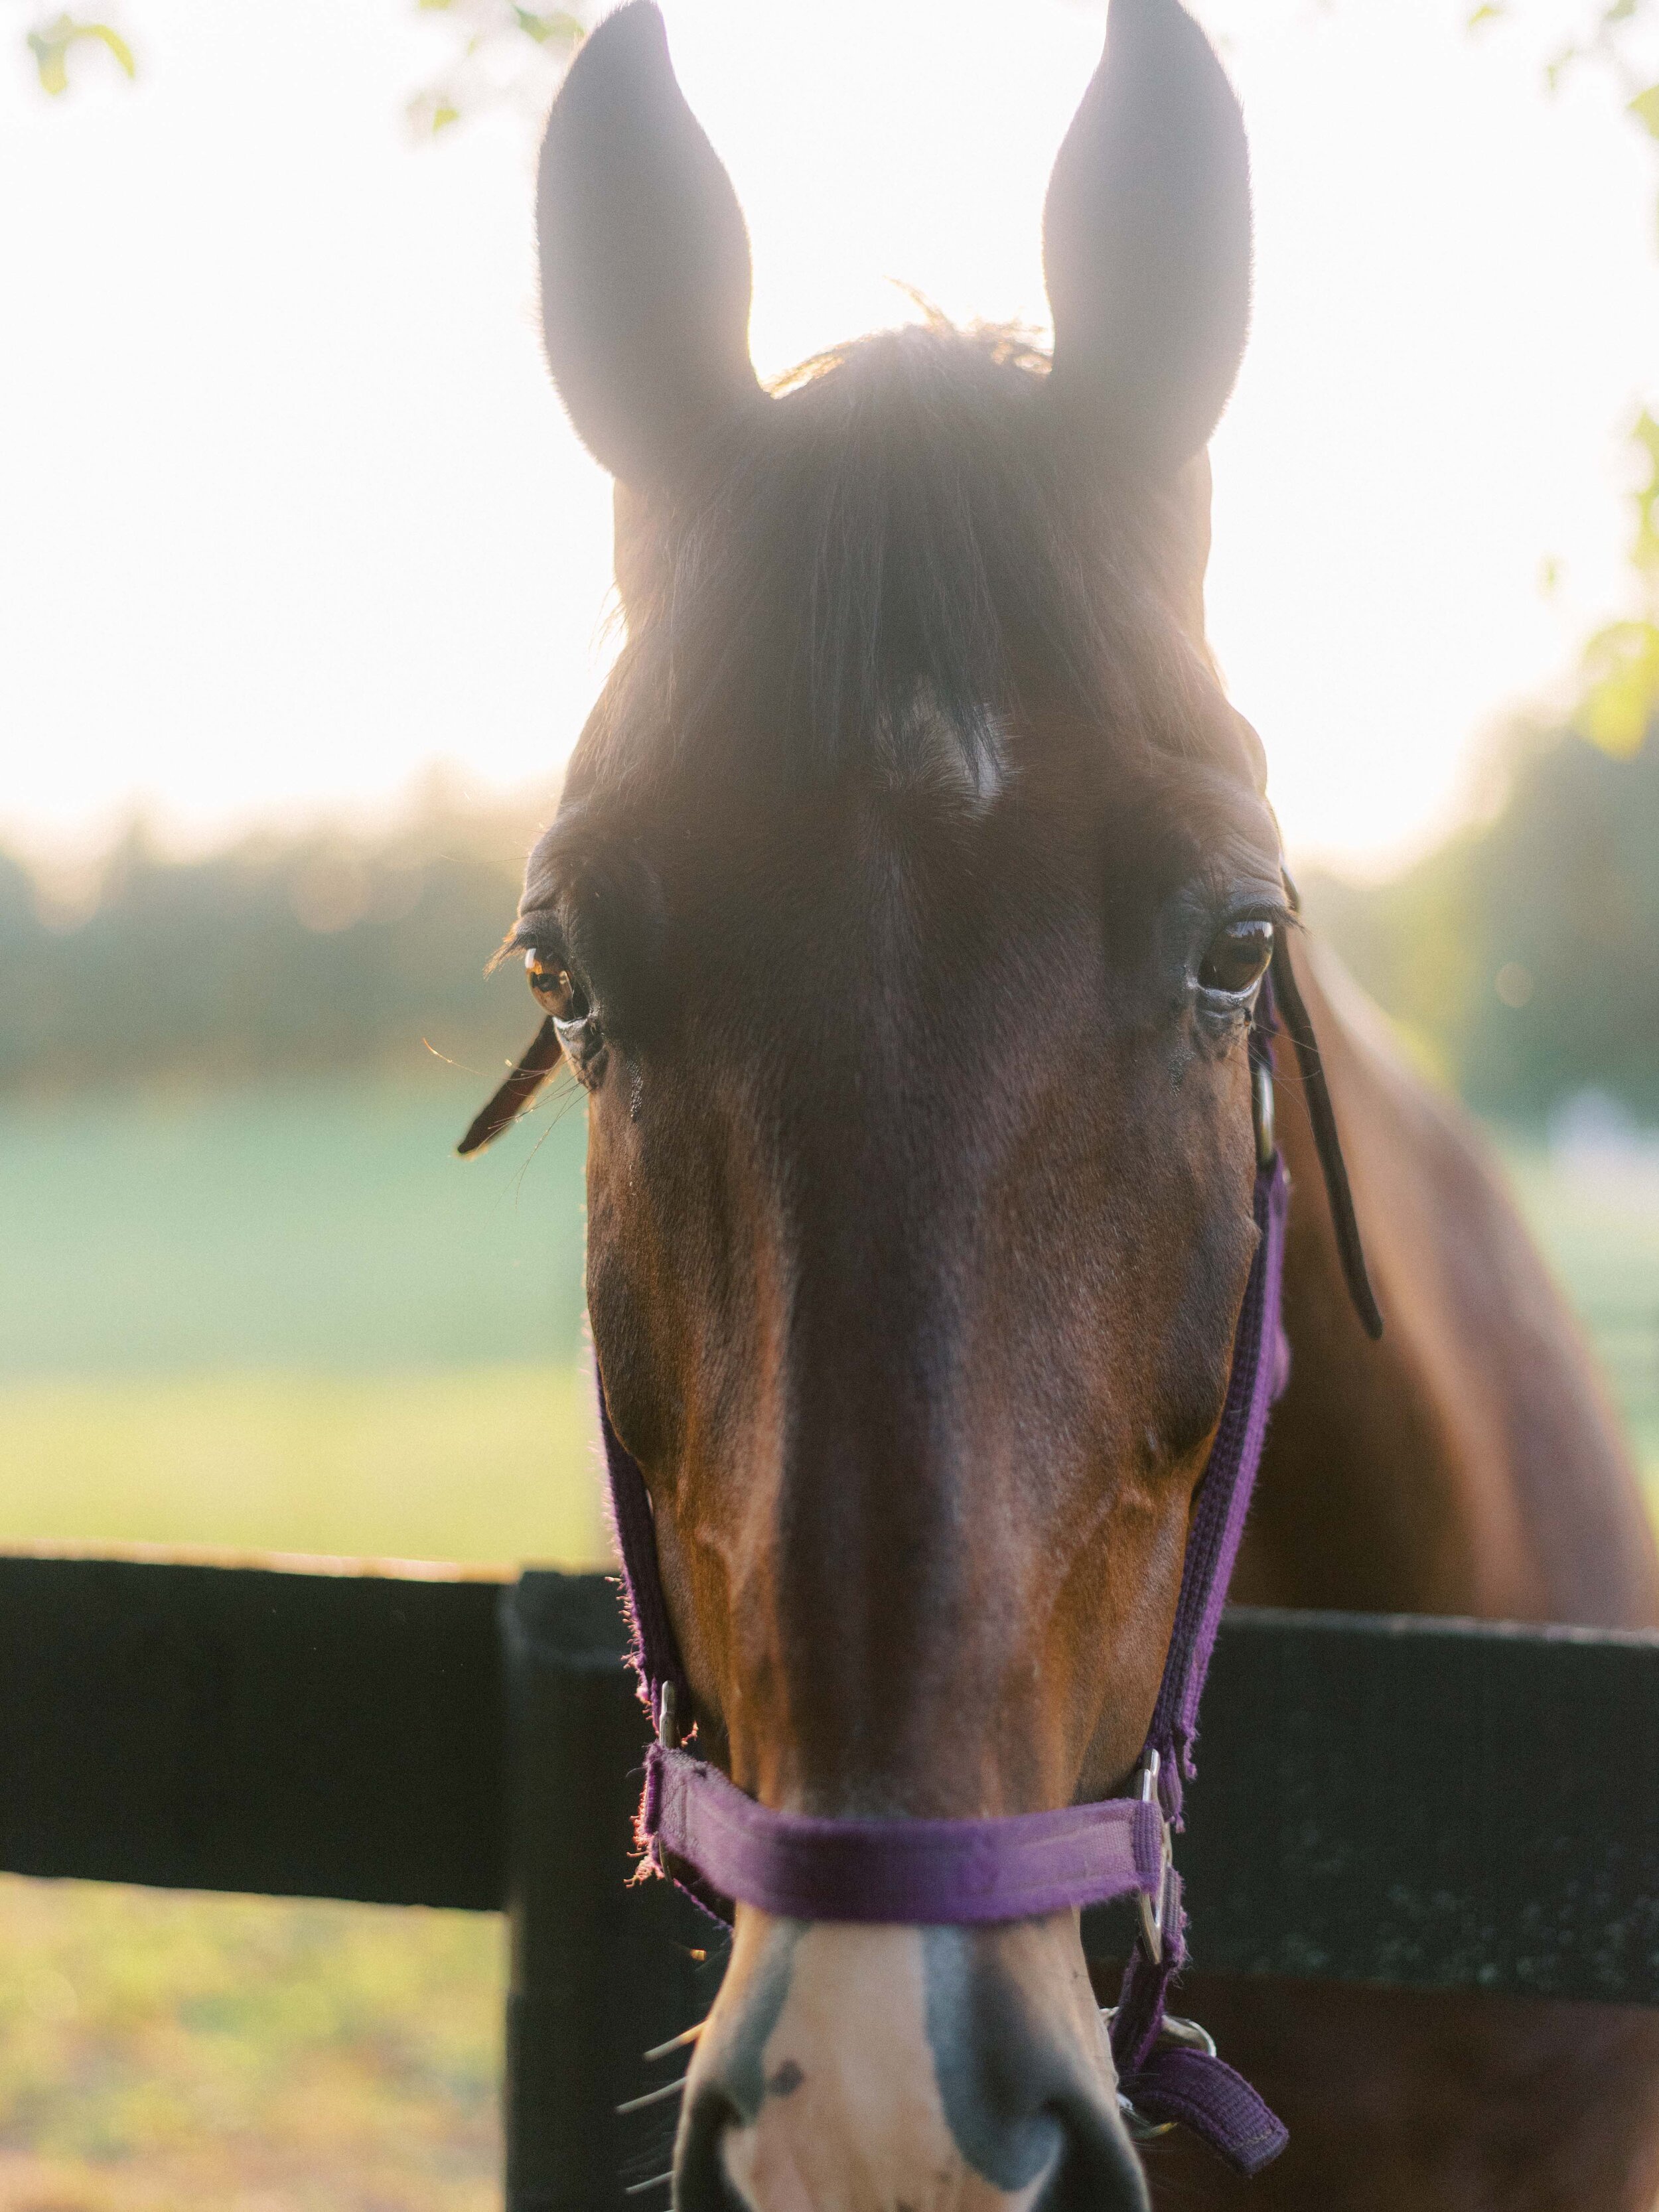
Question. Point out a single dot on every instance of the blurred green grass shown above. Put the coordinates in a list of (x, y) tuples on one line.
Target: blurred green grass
[(322, 1226), (1600, 1236), (481, 1464), (174, 2053), (292, 1319)]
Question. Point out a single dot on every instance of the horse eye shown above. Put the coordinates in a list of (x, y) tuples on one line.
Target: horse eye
[(1237, 958), (556, 988)]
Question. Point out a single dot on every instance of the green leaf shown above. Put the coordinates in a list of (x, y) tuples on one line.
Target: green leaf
[(116, 43), (1644, 552), (1622, 666), (1645, 108), (1488, 13), (50, 45), (434, 111), (544, 29), (49, 63)]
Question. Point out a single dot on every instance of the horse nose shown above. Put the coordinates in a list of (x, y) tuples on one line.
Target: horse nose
[(850, 2068)]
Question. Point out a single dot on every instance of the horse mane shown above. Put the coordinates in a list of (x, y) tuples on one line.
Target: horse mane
[(884, 562)]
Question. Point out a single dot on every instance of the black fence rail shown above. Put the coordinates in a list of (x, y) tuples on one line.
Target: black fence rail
[(1421, 1803)]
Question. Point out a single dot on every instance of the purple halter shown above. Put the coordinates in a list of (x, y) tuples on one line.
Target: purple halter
[(724, 1845)]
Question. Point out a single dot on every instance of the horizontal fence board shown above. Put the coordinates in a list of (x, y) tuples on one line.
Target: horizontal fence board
[(1432, 1804), (1424, 1804), (206, 1728)]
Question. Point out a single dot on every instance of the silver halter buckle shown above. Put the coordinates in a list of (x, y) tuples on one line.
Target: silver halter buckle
[(1154, 1908)]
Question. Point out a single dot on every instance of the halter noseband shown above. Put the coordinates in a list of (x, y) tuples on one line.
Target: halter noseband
[(720, 1844)]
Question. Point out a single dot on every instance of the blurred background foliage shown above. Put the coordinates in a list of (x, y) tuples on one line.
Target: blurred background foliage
[(286, 953), (1520, 957), (498, 51)]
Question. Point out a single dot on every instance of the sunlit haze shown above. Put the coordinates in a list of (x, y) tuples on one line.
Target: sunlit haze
[(290, 510)]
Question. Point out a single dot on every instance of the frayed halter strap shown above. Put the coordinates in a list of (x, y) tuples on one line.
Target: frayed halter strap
[(722, 1845)]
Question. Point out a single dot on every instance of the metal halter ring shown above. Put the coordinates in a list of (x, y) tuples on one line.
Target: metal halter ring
[(667, 1732), (1153, 1908), (1171, 2029), (1136, 2125), (1262, 1102)]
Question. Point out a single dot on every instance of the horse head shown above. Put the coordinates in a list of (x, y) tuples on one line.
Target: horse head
[(903, 919)]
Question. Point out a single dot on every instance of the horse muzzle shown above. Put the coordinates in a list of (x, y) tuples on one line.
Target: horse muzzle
[(853, 2067)]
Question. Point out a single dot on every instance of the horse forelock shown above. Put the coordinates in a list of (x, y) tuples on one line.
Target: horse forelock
[(889, 568)]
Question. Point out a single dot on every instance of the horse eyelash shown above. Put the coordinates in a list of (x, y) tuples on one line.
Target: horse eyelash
[(1270, 910), (548, 944)]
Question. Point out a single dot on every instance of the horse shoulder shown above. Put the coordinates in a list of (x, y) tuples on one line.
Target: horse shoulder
[(1469, 1463)]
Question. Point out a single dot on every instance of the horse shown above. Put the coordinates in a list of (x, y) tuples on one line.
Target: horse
[(908, 918)]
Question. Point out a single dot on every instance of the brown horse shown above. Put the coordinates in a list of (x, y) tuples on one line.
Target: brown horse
[(905, 918)]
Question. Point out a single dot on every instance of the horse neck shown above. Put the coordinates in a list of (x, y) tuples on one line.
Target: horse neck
[(1468, 1463)]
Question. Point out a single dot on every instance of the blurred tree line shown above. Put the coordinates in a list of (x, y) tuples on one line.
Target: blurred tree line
[(281, 955), (1521, 959), (1522, 956)]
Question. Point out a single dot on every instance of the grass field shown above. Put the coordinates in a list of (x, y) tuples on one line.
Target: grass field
[(1600, 1233), (171, 2053), (486, 1463), (323, 1227), (292, 1321)]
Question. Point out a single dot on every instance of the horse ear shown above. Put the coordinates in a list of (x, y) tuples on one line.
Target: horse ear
[(1146, 242), (1187, 543), (645, 265)]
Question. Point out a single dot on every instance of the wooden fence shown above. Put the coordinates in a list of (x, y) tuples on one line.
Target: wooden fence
[(1423, 1803)]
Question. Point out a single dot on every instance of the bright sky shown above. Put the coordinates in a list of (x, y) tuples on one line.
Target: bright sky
[(289, 511)]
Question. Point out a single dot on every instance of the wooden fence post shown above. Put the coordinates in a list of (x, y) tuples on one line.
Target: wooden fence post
[(601, 1970)]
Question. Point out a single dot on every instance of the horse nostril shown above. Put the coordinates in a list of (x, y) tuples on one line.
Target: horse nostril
[(1099, 2169), (1096, 2170), (700, 2180)]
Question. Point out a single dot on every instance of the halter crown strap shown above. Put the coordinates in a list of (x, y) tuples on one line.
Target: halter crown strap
[(721, 1845)]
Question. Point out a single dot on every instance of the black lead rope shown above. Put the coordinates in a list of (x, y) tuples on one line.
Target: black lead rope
[(1287, 996)]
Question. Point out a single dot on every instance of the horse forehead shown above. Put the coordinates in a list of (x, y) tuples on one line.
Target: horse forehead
[(897, 862)]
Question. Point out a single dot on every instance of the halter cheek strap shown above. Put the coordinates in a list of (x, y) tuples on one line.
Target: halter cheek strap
[(722, 1845)]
